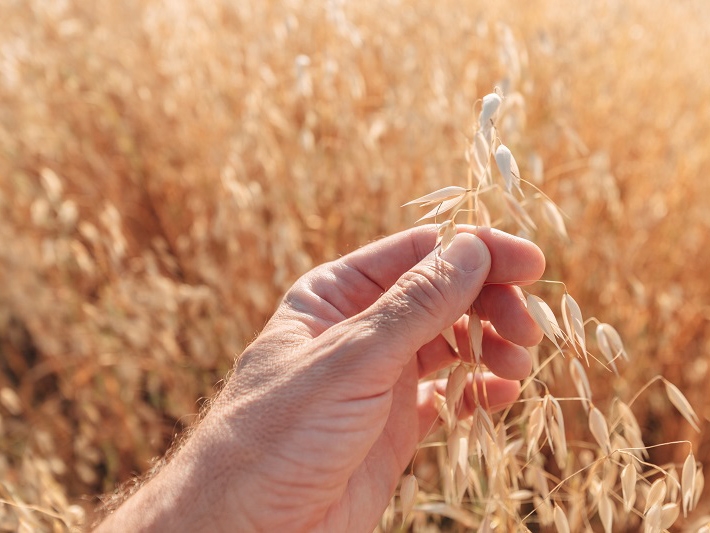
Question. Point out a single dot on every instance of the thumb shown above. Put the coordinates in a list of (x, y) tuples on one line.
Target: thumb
[(429, 297)]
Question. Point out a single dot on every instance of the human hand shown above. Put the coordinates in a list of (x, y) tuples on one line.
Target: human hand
[(325, 408)]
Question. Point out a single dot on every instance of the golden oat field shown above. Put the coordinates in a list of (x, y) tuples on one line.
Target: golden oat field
[(168, 168)]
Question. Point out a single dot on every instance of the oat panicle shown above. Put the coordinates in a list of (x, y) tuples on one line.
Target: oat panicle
[(488, 462)]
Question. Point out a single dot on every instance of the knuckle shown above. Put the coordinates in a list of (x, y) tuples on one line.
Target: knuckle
[(425, 288), (299, 297)]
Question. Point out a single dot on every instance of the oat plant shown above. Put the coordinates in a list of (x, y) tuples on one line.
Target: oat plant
[(527, 467)]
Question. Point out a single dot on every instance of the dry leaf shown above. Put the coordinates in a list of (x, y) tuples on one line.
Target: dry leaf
[(682, 404)]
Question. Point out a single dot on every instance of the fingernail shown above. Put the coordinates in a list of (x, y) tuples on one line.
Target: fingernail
[(467, 253)]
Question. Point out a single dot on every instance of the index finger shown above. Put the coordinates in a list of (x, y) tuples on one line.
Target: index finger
[(513, 260)]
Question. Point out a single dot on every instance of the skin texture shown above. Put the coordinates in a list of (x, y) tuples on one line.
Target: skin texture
[(326, 407)]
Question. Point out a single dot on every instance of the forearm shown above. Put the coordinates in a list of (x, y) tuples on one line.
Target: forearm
[(195, 490), (173, 500)]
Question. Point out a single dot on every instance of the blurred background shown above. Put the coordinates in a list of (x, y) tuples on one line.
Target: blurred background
[(169, 168)]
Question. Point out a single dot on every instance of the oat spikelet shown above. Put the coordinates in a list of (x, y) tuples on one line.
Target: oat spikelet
[(687, 484), (652, 520), (656, 494), (606, 512), (522, 495), (560, 519), (518, 213), (482, 431), (444, 207), (475, 335), (454, 389), (699, 485), (447, 233), (508, 168), (536, 426), (681, 403), (491, 103), (581, 382), (408, 494), (669, 514), (447, 193), (554, 219), (453, 444), (450, 338), (545, 318), (672, 484), (628, 486), (556, 425), (574, 325), (481, 149), (632, 430), (610, 345), (483, 215), (484, 421), (544, 511), (599, 429), (535, 477)]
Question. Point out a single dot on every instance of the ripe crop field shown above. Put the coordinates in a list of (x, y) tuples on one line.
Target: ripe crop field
[(169, 168)]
